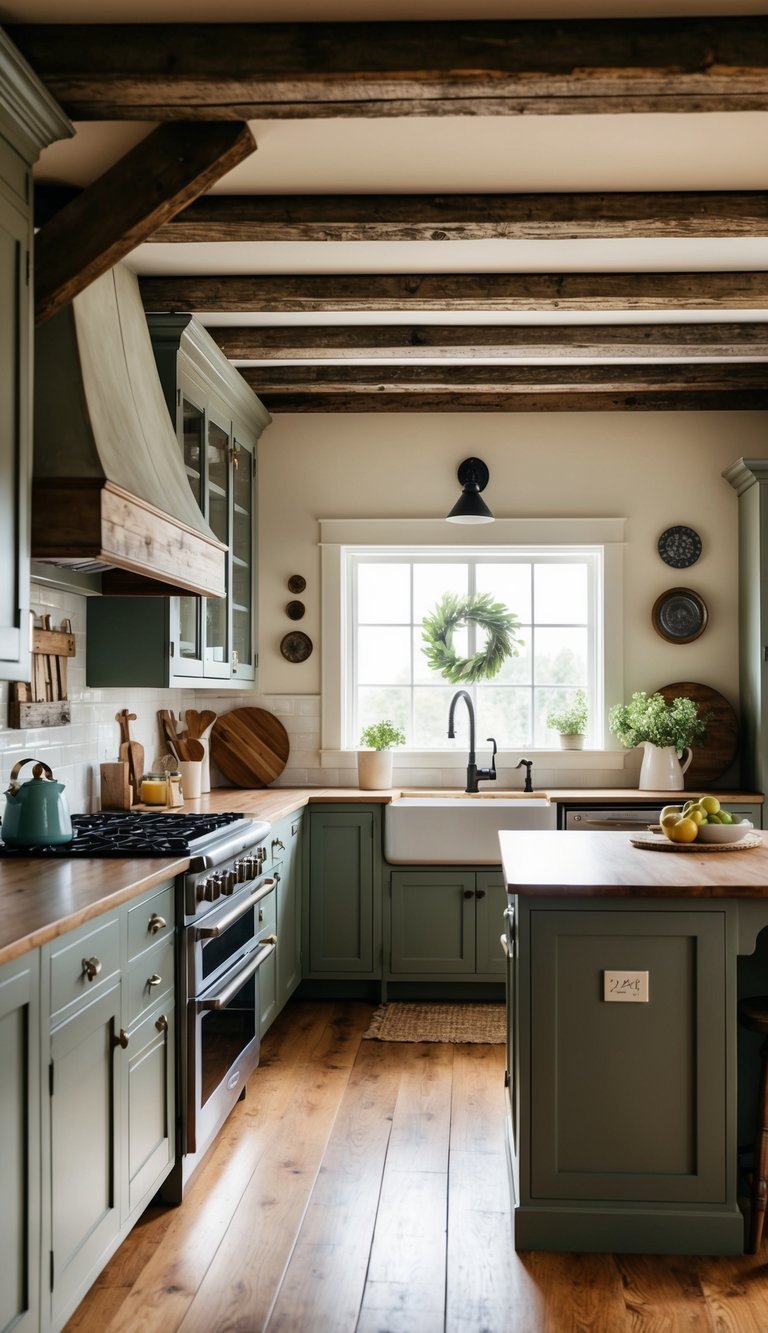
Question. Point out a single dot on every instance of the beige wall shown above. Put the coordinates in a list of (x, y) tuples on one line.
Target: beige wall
[(654, 469)]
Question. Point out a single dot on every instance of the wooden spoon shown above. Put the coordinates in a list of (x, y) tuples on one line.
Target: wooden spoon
[(198, 723)]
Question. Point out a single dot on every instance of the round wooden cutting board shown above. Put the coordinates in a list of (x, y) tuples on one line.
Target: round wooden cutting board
[(250, 746), (715, 754)]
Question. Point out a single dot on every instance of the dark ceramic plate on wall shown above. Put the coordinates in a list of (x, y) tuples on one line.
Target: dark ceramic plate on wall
[(679, 615), (679, 546), (296, 646)]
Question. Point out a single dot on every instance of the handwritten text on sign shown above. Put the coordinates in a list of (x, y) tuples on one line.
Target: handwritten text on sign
[(626, 987)]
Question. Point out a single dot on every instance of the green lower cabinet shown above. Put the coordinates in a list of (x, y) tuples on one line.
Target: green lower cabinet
[(85, 1127), (288, 891), (20, 1144), (342, 909), (446, 923), (151, 1127), (627, 1135)]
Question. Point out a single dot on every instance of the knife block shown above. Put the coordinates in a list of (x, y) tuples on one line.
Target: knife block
[(115, 786)]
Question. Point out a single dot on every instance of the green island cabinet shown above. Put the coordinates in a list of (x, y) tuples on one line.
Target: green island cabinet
[(445, 923), (280, 915), (194, 641), (87, 1102), (749, 478), (29, 120), (342, 905), (622, 1116)]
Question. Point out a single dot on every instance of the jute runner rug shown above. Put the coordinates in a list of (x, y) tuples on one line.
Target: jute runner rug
[(482, 1023)]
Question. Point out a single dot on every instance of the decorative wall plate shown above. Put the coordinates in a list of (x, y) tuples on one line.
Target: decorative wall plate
[(679, 547), (296, 646), (679, 615), (297, 583), (294, 610)]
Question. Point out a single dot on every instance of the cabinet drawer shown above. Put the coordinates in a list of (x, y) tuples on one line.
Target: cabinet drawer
[(149, 980), (151, 920), (80, 966)]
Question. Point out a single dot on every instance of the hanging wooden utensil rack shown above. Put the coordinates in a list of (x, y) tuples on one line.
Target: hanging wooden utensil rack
[(43, 702)]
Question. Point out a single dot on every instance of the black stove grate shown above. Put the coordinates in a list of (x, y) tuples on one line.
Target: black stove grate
[(124, 834)]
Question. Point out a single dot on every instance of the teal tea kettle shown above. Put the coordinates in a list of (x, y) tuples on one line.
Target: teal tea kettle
[(36, 812)]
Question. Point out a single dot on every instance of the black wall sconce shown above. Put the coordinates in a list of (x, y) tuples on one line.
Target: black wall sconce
[(470, 507)]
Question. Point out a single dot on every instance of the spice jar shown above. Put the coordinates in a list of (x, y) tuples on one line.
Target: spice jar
[(154, 789), (175, 794)]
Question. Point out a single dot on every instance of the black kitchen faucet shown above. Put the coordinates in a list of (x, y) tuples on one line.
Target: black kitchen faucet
[(473, 772)]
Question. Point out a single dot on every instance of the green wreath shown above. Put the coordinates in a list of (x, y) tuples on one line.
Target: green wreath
[(451, 611)]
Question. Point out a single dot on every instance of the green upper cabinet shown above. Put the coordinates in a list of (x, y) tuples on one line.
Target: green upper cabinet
[(29, 120), (177, 641)]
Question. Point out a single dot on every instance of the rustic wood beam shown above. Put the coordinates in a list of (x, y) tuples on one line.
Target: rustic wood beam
[(245, 71), (426, 341), (127, 204), (469, 217), (478, 388), (510, 293)]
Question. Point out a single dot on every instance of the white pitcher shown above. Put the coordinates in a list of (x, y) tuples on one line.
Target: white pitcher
[(661, 770)]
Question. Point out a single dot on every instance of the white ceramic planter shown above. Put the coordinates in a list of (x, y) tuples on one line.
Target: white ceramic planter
[(571, 742), (374, 769)]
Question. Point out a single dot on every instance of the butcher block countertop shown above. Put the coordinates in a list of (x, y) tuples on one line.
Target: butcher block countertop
[(41, 898), (543, 864)]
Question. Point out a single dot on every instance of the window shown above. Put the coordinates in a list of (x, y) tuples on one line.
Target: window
[(566, 596), (553, 594)]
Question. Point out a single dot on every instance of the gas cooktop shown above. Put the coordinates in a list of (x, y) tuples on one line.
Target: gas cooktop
[(155, 833)]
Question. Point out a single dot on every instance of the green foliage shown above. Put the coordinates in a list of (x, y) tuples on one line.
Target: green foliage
[(651, 718), (452, 610), (571, 720), (382, 736)]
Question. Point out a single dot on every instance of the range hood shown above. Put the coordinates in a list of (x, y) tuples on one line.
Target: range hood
[(109, 490)]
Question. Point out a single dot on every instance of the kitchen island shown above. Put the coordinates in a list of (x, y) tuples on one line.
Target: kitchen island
[(622, 992)]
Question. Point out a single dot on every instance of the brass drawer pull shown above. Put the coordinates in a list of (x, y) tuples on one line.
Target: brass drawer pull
[(156, 923), (91, 968), (155, 979), (161, 1023), (121, 1040)]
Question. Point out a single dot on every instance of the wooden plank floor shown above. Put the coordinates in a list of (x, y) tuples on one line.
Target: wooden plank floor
[(361, 1187)]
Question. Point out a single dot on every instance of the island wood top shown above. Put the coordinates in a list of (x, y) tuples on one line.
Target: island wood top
[(606, 864)]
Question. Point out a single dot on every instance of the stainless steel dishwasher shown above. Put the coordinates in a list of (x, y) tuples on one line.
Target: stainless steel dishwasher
[(584, 817)]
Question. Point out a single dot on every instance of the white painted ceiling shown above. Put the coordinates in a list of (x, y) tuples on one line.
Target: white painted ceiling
[(442, 155)]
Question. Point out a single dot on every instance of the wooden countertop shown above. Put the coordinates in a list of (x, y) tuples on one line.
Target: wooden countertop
[(605, 864), (41, 898)]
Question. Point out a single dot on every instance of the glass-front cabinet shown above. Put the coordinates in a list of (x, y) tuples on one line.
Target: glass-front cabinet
[(179, 640)]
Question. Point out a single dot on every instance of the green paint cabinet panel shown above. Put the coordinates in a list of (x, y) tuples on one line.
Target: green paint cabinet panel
[(446, 923), (342, 912), (20, 1144), (287, 872), (151, 1109)]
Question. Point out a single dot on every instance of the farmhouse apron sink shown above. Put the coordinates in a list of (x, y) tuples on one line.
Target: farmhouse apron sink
[(458, 828)]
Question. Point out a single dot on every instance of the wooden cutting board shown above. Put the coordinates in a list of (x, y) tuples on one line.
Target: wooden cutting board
[(250, 746), (715, 754)]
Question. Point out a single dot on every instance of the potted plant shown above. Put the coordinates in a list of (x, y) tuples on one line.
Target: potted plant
[(570, 722), (666, 731), (374, 764)]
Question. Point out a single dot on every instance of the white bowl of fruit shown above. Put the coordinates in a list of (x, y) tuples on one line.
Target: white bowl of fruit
[(703, 820)]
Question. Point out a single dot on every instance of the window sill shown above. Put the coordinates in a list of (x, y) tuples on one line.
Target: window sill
[(505, 759)]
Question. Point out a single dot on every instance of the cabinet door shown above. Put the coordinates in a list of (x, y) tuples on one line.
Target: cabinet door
[(341, 893), (491, 901), (150, 1131), (242, 554), (288, 892), (217, 487), (628, 1100), (433, 922), (508, 941), (19, 1144), (15, 447), (85, 1128)]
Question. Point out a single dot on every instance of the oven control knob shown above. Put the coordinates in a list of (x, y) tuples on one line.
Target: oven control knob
[(227, 880), (252, 866), (261, 856), (208, 890), (240, 870)]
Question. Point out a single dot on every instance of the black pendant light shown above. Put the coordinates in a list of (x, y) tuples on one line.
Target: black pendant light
[(470, 507)]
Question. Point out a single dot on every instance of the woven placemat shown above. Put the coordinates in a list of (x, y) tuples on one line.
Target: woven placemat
[(663, 844), (459, 1023)]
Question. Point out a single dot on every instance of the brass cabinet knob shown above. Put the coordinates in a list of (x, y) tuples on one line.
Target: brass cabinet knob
[(156, 923), (161, 1023), (91, 968), (121, 1040), (155, 979)]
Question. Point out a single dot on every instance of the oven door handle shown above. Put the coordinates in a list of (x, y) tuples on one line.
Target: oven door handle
[(220, 999), (224, 922), (622, 825)]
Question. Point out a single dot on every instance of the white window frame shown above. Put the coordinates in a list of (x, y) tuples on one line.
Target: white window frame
[(391, 536)]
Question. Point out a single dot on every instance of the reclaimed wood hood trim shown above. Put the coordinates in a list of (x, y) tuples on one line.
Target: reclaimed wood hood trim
[(109, 486)]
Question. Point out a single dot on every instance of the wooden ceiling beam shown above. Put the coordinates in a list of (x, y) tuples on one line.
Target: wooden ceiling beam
[(411, 342), (480, 388), (128, 203), (510, 293), (507, 67), (469, 217)]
